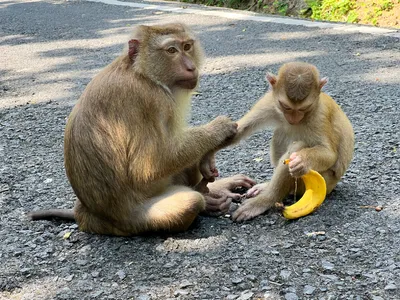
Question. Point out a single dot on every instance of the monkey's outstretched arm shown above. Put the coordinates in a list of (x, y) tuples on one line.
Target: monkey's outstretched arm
[(187, 148), (261, 115)]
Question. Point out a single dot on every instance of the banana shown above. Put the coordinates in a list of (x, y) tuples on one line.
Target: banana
[(313, 197)]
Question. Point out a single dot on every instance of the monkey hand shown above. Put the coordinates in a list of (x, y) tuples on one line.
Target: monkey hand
[(207, 167), (227, 185), (217, 204), (297, 165), (220, 195), (256, 190), (251, 208), (224, 130)]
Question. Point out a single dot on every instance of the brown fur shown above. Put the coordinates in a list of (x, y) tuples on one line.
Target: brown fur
[(321, 137), (129, 155)]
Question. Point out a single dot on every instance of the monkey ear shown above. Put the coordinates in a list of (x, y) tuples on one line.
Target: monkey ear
[(323, 81), (271, 78), (133, 49)]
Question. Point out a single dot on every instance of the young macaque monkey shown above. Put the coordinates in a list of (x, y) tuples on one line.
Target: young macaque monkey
[(130, 157), (310, 129)]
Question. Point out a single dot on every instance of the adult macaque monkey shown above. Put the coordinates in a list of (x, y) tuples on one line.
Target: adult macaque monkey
[(309, 128), (130, 157)]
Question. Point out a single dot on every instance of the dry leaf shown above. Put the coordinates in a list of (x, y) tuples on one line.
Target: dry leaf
[(67, 235)]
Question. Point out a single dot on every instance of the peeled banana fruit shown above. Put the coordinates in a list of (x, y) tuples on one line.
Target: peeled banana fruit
[(313, 197)]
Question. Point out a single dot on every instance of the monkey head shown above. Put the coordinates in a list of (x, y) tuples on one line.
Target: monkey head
[(296, 90), (169, 55)]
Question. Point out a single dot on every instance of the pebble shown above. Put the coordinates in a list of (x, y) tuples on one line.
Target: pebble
[(390, 287), (245, 295), (327, 265), (291, 296), (237, 280), (121, 274), (285, 274), (95, 274), (185, 283), (81, 262), (309, 290), (181, 293), (96, 294), (143, 297)]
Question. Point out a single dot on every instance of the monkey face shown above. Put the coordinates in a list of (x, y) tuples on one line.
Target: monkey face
[(294, 112)]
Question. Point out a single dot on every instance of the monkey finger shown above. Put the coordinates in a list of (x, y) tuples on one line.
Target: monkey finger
[(215, 172), (224, 207), (233, 196), (251, 194), (293, 156), (254, 191), (207, 174), (214, 202)]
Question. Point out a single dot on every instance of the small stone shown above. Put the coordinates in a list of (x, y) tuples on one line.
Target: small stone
[(185, 283), (291, 296), (245, 295), (96, 294), (390, 287), (237, 280), (308, 290), (180, 293), (169, 265), (327, 265), (376, 298), (330, 277), (95, 274), (25, 271), (285, 274), (251, 277), (64, 293), (306, 270), (81, 262), (69, 278), (121, 274), (143, 297), (231, 297)]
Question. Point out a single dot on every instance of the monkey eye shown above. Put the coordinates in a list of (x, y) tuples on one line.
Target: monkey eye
[(172, 50), (285, 107), (187, 47), (304, 108)]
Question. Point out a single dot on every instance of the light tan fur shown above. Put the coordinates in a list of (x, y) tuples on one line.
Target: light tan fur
[(129, 155), (321, 136)]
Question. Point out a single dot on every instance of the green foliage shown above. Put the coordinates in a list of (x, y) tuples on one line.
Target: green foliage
[(333, 10), (280, 7), (350, 11), (386, 4)]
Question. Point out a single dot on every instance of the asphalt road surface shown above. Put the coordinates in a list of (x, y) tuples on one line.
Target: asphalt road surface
[(49, 50)]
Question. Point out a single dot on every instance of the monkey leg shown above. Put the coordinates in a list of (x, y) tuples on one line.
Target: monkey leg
[(330, 179), (172, 211), (188, 177), (267, 194)]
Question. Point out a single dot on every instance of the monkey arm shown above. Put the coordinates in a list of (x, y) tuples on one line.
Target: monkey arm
[(263, 114), (319, 158)]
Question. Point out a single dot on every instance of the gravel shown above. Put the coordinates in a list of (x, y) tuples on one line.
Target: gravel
[(50, 50)]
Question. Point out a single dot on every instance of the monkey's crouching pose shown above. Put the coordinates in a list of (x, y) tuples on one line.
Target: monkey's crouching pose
[(130, 157), (309, 128)]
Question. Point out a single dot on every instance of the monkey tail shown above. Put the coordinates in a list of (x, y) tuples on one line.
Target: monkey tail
[(65, 214)]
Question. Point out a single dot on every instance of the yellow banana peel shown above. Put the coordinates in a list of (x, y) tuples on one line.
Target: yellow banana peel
[(315, 193)]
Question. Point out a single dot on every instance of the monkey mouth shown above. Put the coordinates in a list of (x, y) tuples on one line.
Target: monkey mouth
[(188, 84)]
